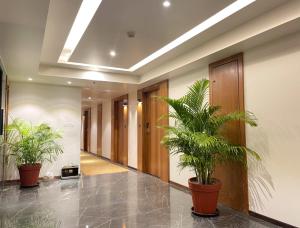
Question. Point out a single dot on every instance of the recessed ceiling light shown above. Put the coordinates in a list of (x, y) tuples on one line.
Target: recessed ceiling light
[(203, 26), (69, 82), (89, 98), (84, 16), (29, 79), (166, 4), (112, 53)]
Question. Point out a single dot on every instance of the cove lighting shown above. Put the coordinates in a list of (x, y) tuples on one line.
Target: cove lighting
[(203, 26), (84, 16)]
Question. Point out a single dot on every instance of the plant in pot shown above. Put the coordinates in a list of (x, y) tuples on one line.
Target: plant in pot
[(31, 145), (197, 138)]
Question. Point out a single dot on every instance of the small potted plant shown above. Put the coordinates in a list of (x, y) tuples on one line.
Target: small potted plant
[(196, 137), (31, 146)]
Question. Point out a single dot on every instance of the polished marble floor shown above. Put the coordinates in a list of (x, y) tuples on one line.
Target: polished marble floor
[(129, 199)]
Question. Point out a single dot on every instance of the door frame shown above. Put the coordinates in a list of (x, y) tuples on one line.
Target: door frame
[(114, 132), (163, 166)]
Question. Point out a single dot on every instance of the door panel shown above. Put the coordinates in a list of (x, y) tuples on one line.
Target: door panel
[(226, 89), (153, 157), (99, 130), (120, 126), (119, 140), (86, 130), (151, 133)]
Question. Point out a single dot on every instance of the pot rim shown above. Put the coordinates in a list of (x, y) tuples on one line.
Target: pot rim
[(195, 186), (34, 165), (215, 181)]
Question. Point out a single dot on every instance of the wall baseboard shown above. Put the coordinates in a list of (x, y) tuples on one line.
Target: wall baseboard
[(270, 220), (180, 187), (43, 179)]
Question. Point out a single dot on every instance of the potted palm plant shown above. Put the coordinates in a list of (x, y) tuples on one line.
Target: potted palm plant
[(196, 137), (31, 146)]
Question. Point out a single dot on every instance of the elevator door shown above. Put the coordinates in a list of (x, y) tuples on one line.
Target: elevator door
[(152, 139)]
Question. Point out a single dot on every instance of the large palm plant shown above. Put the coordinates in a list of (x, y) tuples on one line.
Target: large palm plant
[(196, 135), (32, 144)]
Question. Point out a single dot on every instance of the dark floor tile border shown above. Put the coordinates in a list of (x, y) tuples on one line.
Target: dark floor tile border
[(270, 220)]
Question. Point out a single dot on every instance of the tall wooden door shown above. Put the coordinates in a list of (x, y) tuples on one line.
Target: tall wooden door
[(120, 137), (99, 130), (120, 131), (86, 129), (152, 134), (227, 91), (153, 157)]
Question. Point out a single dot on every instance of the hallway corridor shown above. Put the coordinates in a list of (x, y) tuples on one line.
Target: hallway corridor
[(92, 165), (127, 199)]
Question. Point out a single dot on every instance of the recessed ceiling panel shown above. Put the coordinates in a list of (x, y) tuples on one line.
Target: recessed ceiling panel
[(153, 26)]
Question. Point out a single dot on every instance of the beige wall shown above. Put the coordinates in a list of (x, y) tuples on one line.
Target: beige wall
[(94, 127), (272, 91), (132, 129), (106, 128), (56, 105), (177, 88)]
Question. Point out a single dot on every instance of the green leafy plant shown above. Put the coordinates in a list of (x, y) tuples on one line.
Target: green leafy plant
[(32, 144), (197, 133)]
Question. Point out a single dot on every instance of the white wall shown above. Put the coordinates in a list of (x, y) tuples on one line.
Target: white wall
[(272, 91), (106, 128), (94, 126), (177, 88), (132, 129), (56, 105)]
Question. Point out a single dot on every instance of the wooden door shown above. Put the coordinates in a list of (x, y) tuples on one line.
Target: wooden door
[(86, 130), (153, 157), (152, 134), (120, 130), (227, 91), (99, 130)]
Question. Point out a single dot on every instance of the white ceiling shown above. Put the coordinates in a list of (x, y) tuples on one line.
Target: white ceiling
[(33, 33), (152, 23)]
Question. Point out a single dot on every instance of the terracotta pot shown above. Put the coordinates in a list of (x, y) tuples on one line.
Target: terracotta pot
[(29, 174), (205, 197)]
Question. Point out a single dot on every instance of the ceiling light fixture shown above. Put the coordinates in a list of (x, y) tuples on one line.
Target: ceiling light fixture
[(166, 4), (29, 79), (112, 53), (203, 26), (89, 98), (83, 18), (69, 82)]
